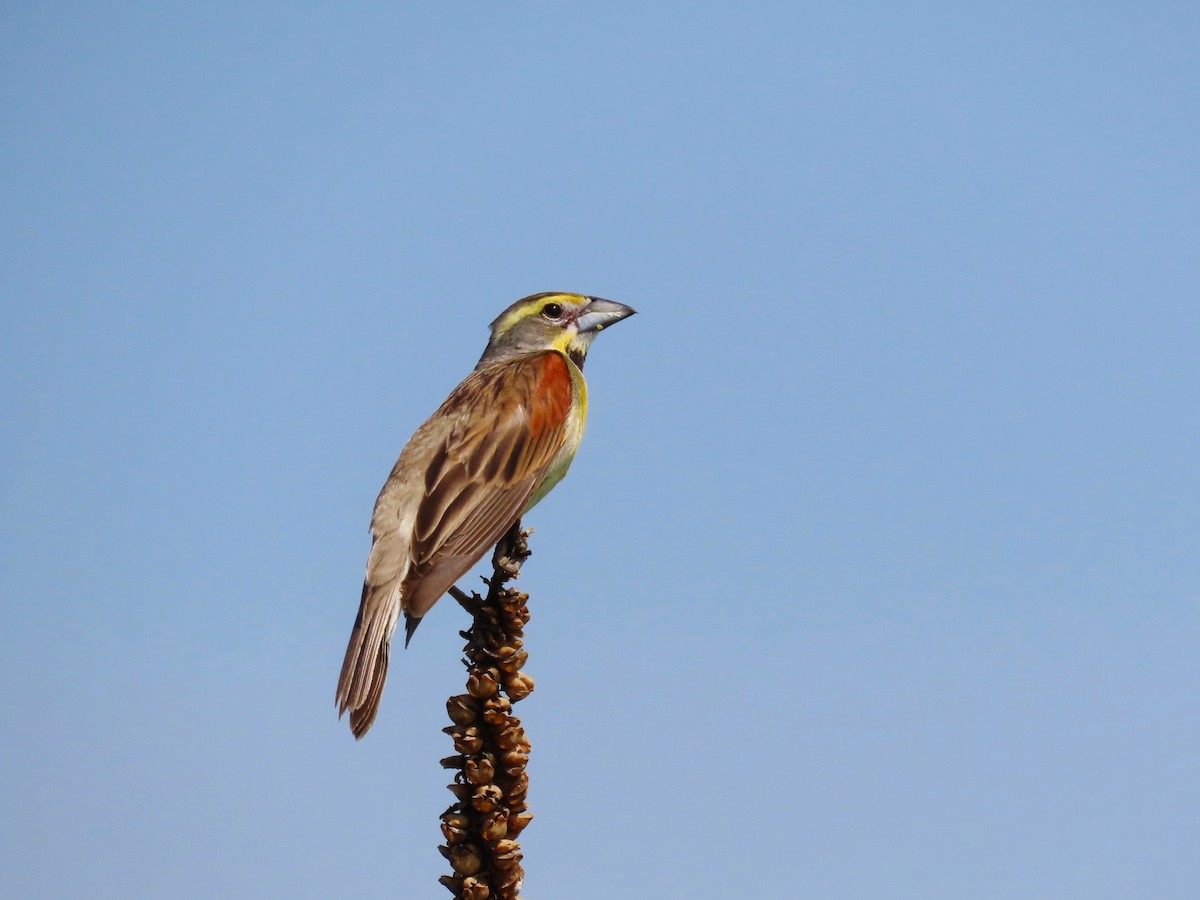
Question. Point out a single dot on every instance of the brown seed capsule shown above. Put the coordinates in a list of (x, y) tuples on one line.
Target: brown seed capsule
[(450, 882), (480, 771), (487, 797), (513, 762), (454, 827), (508, 884), (519, 788), (510, 737), (518, 821), (469, 740), (456, 815), (474, 889), (466, 859), (462, 791), (497, 704), (495, 826), (462, 708), (453, 762), (482, 685), (511, 658), (518, 686), (497, 719), (501, 721), (506, 854)]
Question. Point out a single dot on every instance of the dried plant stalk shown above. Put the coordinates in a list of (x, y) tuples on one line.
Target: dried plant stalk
[(491, 748)]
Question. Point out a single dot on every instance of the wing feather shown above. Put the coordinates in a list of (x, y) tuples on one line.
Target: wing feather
[(513, 420)]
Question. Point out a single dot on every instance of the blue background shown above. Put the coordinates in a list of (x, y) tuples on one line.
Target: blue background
[(877, 575)]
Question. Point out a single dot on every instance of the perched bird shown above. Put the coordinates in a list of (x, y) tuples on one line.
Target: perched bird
[(504, 437)]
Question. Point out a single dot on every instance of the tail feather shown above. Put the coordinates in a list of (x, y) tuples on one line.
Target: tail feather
[(362, 717), (410, 625), (364, 669)]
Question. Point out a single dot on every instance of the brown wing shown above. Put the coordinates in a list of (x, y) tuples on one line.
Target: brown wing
[(468, 471), (511, 420)]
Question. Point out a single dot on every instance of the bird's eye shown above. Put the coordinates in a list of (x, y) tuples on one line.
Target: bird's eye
[(552, 310)]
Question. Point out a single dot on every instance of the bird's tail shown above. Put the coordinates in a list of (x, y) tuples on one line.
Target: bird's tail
[(364, 669)]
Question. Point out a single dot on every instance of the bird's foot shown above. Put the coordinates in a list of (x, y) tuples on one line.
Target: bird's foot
[(511, 552)]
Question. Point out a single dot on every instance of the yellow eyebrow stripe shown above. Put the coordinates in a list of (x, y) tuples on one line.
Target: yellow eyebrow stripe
[(531, 307)]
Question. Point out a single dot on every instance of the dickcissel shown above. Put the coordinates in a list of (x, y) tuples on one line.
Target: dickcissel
[(504, 437)]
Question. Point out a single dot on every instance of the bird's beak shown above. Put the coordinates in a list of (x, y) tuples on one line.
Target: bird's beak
[(600, 313)]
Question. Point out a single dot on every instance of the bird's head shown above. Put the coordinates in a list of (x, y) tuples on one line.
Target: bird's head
[(552, 321)]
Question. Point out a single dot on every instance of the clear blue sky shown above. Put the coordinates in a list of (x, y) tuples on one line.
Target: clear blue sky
[(878, 574)]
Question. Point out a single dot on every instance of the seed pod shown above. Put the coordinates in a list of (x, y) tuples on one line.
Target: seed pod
[(487, 797), (513, 762), (518, 789), (515, 662), (462, 708), (466, 859), (469, 740), (483, 685), (497, 704), (474, 889), (508, 884), (506, 854), (480, 771), (454, 827), (518, 686), (518, 821), (495, 826), (510, 737)]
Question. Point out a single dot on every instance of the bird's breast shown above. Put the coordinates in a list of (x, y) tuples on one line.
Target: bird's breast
[(576, 419)]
